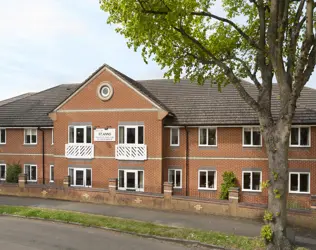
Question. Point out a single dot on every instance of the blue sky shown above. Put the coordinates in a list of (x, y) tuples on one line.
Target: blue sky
[(49, 42)]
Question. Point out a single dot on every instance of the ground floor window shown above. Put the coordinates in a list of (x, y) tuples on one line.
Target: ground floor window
[(131, 180), (2, 172), (251, 180), (175, 176), (207, 179), (31, 172), (51, 174), (80, 177), (299, 182)]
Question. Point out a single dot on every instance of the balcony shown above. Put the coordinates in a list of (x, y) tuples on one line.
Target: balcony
[(79, 151), (131, 152)]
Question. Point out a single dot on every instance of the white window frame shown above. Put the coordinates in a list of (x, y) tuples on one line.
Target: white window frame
[(299, 137), (173, 181), (84, 176), (25, 133), (215, 179), (178, 134), (251, 145), (206, 145), (5, 172), (299, 180), (53, 136), (251, 182), (5, 139), (50, 173), (136, 134), (75, 134), (31, 166), (136, 179)]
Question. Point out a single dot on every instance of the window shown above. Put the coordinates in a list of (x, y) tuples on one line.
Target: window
[(51, 174), (131, 134), (2, 136), (2, 172), (252, 137), (80, 177), (174, 136), (300, 137), (30, 136), (52, 136), (299, 182), (207, 137), (207, 179), (131, 180), (80, 134), (251, 180), (31, 172), (175, 177)]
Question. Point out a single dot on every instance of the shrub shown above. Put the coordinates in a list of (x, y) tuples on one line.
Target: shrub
[(266, 233), (13, 171), (229, 180)]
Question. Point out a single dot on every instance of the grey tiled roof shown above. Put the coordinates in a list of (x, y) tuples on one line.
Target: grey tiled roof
[(32, 111), (6, 101), (203, 105)]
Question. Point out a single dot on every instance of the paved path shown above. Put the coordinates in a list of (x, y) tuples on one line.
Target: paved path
[(25, 234), (205, 222)]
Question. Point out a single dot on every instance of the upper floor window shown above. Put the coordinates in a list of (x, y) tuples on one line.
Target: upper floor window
[(2, 136), (30, 136), (299, 182), (174, 136), (207, 137), (52, 136), (251, 180), (300, 137), (207, 179), (252, 137), (80, 134), (2, 172), (131, 134)]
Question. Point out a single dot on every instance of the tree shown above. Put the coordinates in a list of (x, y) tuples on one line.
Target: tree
[(261, 40)]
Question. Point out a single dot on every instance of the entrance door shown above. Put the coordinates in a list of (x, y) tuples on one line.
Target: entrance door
[(79, 177), (131, 180)]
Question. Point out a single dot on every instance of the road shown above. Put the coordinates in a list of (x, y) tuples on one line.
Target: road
[(26, 234)]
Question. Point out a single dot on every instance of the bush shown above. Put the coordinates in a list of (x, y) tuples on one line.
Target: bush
[(266, 233), (229, 180), (13, 171)]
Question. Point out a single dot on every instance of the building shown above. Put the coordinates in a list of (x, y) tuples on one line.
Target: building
[(148, 132)]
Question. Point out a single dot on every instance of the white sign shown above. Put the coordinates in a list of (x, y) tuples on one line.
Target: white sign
[(104, 134)]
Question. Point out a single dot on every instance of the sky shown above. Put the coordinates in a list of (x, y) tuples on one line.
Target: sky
[(44, 43)]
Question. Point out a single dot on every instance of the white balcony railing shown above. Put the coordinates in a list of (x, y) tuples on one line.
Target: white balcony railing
[(79, 151), (131, 152)]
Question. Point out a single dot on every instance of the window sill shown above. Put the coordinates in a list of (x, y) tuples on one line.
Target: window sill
[(251, 191), (30, 144), (174, 146), (207, 189), (300, 193), (31, 181), (249, 146), (297, 146)]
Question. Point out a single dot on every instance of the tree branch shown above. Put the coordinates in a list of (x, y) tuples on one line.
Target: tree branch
[(235, 80)]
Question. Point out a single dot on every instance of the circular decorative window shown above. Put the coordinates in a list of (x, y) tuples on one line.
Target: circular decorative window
[(105, 91)]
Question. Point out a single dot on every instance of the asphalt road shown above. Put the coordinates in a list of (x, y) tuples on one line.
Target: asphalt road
[(26, 234)]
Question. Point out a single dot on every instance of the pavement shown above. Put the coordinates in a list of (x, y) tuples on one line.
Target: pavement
[(229, 225), (26, 234)]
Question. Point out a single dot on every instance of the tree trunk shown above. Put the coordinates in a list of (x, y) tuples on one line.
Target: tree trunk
[(277, 144)]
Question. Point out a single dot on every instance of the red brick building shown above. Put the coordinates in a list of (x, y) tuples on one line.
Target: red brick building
[(148, 132)]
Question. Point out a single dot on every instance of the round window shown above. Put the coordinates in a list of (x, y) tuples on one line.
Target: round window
[(105, 91)]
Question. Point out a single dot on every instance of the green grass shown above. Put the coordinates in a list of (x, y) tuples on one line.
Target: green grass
[(209, 237)]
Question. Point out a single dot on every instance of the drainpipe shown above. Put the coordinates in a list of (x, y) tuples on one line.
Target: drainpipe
[(187, 160), (43, 154)]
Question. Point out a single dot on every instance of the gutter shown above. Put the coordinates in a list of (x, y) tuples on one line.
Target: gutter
[(43, 154), (187, 160)]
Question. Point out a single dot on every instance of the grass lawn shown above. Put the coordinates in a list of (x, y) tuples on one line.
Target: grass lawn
[(209, 237)]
